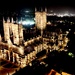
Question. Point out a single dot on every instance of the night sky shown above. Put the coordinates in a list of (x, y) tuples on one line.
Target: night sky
[(15, 5)]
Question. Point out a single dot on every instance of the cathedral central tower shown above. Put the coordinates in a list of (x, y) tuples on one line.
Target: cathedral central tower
[(40, 19)]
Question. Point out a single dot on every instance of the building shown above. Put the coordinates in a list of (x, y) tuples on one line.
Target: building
[(40, 19), (13, 30)]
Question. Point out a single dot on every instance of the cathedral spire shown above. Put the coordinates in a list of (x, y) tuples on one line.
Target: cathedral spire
[(3, 20), (45, 9), (8, 19), (12, 21)]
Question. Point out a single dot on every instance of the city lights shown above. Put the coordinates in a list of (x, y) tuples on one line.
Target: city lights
[(28, 22)]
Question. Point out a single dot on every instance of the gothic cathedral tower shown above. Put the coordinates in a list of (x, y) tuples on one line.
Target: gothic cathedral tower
[(13, 29), (40, 19)]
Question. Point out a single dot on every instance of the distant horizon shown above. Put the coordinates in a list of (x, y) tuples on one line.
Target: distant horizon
[(57, 10)]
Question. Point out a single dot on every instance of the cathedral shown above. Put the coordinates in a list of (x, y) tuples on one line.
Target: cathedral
[(14, 49)]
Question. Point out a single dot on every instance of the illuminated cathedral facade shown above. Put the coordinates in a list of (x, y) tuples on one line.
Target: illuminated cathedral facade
[(41, 19), (14, 40), (14, 31), (13, 50), (14, 47)]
